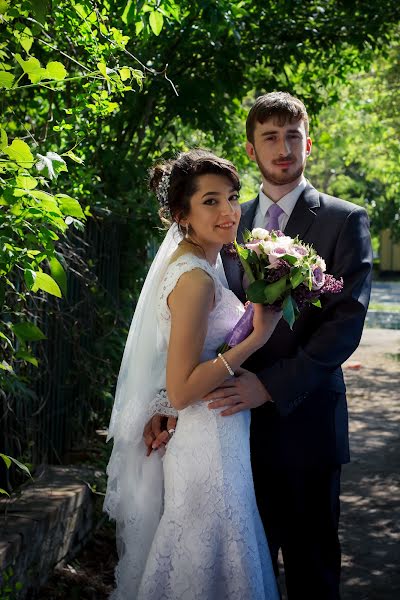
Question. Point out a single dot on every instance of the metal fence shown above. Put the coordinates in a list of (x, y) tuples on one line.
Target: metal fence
[(58, 415)]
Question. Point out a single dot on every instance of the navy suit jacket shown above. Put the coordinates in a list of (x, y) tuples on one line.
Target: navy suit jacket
[(307, 422)]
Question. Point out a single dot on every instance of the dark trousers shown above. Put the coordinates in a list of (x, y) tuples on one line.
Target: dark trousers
[(300, 512)]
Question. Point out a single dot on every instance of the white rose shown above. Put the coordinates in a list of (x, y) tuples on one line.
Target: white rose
[(260, 234)]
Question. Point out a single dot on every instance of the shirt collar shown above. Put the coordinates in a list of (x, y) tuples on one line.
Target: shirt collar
[(287, 202)]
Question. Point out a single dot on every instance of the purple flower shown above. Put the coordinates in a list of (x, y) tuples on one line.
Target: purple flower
[(332, 285), (318, 278)]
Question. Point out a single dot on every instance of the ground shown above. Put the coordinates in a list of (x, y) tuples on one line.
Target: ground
[(370, 530), (370, 533)]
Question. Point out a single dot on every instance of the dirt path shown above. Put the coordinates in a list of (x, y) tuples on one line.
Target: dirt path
[(370, 521)]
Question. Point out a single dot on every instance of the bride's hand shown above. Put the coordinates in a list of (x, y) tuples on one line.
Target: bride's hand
[(265, 320)]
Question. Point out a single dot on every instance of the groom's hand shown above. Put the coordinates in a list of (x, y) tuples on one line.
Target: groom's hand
[(156, 434), (242, 392)]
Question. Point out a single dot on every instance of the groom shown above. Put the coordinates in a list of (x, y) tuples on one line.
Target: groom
[(299, 435)]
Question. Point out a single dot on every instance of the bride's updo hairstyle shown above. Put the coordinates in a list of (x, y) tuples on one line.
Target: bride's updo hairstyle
[(175, 181)]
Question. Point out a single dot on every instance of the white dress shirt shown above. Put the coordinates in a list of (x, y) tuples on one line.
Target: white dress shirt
[(286, 203)]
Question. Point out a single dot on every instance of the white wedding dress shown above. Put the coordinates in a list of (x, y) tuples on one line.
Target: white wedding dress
[(210, 543)]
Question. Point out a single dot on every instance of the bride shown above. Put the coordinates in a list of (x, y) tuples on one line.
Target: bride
[(187, 523)]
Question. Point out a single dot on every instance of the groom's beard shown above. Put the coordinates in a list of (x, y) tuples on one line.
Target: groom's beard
[(284, 178)]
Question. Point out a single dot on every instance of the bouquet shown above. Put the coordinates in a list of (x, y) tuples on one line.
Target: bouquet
[(282, 272)]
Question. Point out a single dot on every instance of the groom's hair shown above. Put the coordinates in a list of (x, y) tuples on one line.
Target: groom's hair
[(277, 105)]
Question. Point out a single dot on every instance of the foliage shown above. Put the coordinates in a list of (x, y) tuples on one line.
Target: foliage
[(356, 155), (8, 460)]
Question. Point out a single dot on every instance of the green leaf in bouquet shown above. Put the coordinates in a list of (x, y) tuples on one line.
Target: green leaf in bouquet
[(247, 236), (292, 260), (255, 292), (243, 254), (290, 310), (296, 277), (275, 290), (252, 257), (316, 302)]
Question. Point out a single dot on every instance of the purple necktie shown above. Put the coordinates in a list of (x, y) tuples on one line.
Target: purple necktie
[(274, 213)]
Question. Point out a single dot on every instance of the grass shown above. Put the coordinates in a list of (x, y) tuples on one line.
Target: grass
[(387, 307)]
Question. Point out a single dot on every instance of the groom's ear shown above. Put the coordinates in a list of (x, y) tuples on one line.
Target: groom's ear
[(250, 151), (308, 146)]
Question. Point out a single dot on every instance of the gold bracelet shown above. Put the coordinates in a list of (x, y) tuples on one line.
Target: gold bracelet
[(227, 365)]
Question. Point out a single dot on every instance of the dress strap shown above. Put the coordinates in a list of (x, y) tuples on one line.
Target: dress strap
[(185, 263)]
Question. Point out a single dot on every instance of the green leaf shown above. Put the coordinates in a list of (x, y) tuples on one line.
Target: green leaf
[(4, 5), (6, 367), (56, 70), (27, 332), (255, 292), (103, 69), (25, 38), (6, 80), (29, 277), (73, 157), (1, 489), (243, 254), (32, 68), (58, 274), (20, 465), (4, 337), (275, 290), (156, 21), (288, 311), (27, 356), (125, 73), (290, 259), (47, 284), (129, 13), (41, 195), (20, 152), (316, 303), (40, 9), (26, 182), (69, 206), (6, 459), (139, 26), (296, 277), (3, 139)]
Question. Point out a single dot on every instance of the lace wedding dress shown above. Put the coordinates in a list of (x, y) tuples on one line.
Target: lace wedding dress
[(209, 543)]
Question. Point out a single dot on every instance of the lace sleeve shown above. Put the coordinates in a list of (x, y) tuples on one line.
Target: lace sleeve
[(160, 405)]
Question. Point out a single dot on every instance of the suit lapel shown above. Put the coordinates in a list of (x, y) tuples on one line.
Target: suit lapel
[(247, 218), (303, 213)]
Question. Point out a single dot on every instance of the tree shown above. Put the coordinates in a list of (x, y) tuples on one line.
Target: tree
[(357, 149)]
